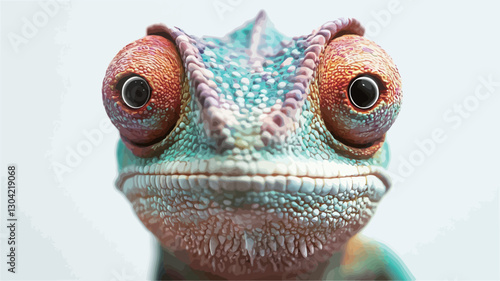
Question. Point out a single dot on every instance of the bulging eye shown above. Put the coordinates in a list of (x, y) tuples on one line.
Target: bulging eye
[(142, 91), (136, 92), (363, 92), (360, 91)]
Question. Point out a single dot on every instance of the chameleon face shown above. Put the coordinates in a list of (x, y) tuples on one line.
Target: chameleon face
[(254, 153)]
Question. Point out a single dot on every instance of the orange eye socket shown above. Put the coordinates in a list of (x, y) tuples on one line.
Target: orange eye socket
[(142, 90), (360, 90)]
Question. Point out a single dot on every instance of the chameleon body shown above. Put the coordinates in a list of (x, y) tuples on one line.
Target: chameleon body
[(256, 155)]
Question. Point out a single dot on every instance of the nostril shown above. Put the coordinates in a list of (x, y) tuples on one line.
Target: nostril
[(278, 119)]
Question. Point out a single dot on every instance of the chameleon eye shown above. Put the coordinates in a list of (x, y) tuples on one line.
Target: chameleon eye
[(363, 92), (136, 92), (359, 90), (142, 90)]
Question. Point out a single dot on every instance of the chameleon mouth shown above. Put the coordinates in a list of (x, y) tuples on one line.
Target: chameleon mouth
[(312, 203), (304, 201), (274, 217), (230, 176), (141, 185)]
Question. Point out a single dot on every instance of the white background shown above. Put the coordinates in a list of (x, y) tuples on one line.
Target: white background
[(441, 217)]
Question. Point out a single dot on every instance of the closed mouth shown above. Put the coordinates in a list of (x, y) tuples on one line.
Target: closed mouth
[(288, 210), (345, 182)]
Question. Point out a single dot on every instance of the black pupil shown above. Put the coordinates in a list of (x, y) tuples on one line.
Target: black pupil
[(363, 92), (135, 92)]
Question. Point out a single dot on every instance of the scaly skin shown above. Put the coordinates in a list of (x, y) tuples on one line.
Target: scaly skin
[(249, 160)]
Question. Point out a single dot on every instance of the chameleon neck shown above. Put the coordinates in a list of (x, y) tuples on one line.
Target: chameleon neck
[(360, 258), (172, 268)]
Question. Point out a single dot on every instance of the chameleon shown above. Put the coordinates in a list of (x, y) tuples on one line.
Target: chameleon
[(257, 155)]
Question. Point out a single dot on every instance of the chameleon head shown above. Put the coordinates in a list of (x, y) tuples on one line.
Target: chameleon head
[(253, 153)]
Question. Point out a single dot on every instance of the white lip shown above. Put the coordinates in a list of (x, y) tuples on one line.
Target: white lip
[(314, 169), (347, 186)]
